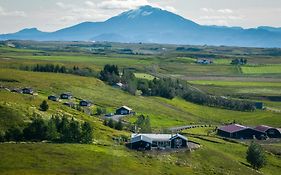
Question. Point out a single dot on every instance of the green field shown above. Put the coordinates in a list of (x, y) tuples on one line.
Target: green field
[(268, 69), (106, 156)]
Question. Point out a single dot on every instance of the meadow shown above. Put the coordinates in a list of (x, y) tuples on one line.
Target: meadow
[(104, 156)]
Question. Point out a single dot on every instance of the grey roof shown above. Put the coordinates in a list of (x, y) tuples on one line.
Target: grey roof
[(155, 137)]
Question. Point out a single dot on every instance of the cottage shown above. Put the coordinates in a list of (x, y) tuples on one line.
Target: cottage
[(157, 141), (69, 104), (124, 110), (53, 98), (204, 61), (240, 132), (66, 95), (27, 91), (85, 103), (270, 131)]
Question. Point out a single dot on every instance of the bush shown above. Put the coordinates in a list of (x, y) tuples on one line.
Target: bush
[(44, 106), (256, 156), (101, 111)]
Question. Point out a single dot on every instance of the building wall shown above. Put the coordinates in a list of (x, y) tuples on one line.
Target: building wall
[(178, 143), (223, 133), (273, 133), (141, 145), (248, 134), (122, 111)]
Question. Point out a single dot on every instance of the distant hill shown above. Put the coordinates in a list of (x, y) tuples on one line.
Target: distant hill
[(153, 25)]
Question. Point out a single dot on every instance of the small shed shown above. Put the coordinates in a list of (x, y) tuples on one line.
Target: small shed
[(53, 98), (124, 110), (270, 131), (85, 103), (66, 95), (204, 61), (27, 91), (237, 131)]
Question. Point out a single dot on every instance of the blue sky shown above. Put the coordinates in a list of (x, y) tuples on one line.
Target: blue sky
[(51, 15)]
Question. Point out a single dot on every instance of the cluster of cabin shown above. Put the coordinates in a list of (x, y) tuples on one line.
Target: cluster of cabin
[(204, 61), (68, 96), (237, 131), (24, 91), (157, 141)]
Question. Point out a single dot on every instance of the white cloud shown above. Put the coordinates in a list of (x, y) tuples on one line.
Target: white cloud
[(122, 4), (16, 13), (225, 11)]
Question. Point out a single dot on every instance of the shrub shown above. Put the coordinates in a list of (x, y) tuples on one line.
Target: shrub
[(256, 156)]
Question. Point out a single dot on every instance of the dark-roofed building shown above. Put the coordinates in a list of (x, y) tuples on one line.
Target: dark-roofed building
[(240, 132), (66, 95), (270, 131), (259, 105), (53, 98), (85, 103), (158, 141), (124, 110), (27, 91)]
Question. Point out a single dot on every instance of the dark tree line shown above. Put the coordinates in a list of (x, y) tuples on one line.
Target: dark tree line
[(110, 74), (49, 68), (240, 61), (56, 129), (113, 124), (170, 88)]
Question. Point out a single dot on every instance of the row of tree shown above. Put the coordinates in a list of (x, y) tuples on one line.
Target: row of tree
[(56, 129), (240, 61), (113, 124), (169, 88)]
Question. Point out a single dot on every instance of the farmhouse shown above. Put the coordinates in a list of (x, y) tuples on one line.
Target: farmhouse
[(240, 132), (66, 95), (85, 103), (27, 91), (124, 110), (259, 105), (270, 131), (204, 61), (53, 98), (157, 141)]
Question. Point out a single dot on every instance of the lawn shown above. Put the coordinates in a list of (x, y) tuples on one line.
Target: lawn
[(144, 76)]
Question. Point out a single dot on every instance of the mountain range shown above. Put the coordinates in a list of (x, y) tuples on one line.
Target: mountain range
[(154, 25)]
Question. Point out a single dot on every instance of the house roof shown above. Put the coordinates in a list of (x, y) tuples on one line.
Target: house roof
[(126, 107), (156, 137), (140, 137), (233, 128), (66, 93), (262, 128)]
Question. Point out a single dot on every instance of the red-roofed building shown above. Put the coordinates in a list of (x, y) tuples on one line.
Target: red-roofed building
[(270, 131), (240, 132)]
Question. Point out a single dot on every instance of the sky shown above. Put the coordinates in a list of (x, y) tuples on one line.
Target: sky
[(51, 15)]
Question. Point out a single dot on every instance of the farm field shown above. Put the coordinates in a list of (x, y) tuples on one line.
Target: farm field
[(106, 154)]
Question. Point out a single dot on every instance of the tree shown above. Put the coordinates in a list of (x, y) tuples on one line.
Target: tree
[(101, 111), (256, 156), (36, 130), (119, 125), (13, 134), (52, 131), (74, 132), (87, 133), (111, 123), (44, 106)]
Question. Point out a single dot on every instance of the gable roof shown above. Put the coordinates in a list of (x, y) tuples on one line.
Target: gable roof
[(155, 137), (262, 128), (126, 107), (233, 128)]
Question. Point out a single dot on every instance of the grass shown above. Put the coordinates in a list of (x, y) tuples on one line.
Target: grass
[(268, 69), (235, 83), (144, 76)]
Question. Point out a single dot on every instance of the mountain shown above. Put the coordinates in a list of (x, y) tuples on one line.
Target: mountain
[(154, 25)]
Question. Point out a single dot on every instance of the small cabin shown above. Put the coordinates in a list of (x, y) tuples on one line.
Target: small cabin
[(204, 61), (158, 141), (69, 104), (27, 91), (66, 95), (85, 103), (124, 110), (53, 98)]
